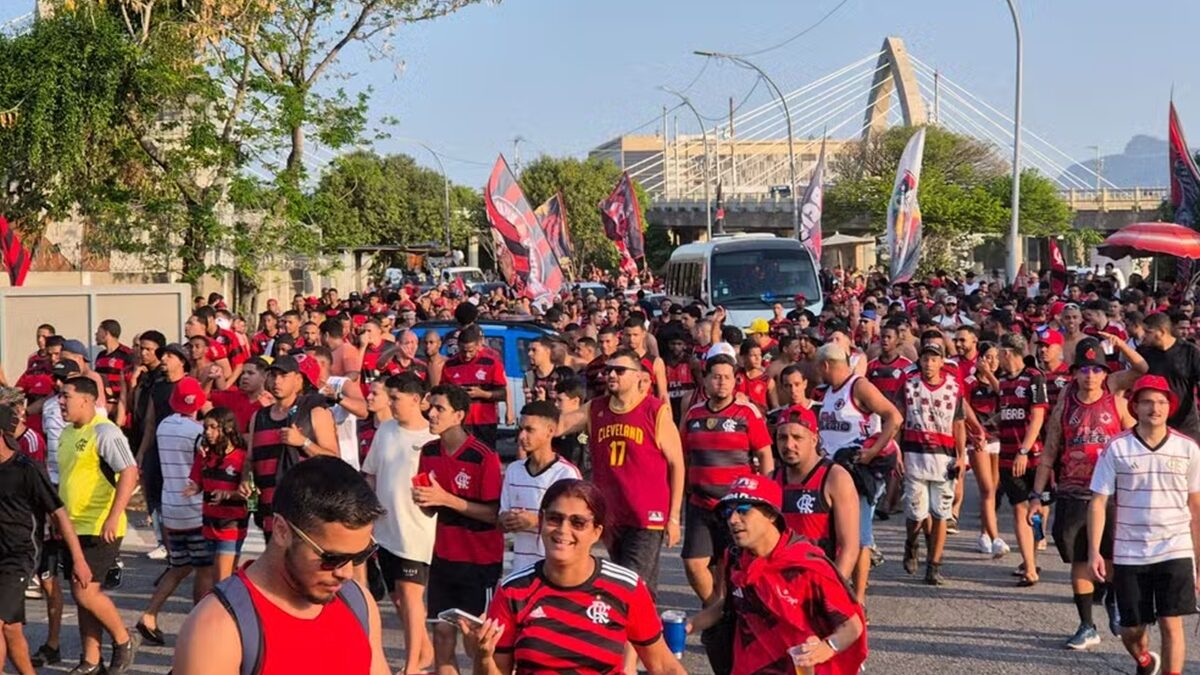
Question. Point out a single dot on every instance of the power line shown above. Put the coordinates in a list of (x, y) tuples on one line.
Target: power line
[(799, 35)]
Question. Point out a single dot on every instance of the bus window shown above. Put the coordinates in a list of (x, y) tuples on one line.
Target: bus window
[(751, 277)]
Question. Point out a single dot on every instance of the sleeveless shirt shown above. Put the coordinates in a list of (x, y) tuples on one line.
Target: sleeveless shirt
[(627, 464), (805, 510)]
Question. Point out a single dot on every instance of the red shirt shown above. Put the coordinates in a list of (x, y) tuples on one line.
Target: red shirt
[(225, 520), (887, 375), (627, 463), (238, 402), (33, 444), (551, 630), (680, 385), (1087, 429), (37, 364), (805, 509), (259, 343), (1019, 396), (233, 346), (718, 446), (485, 371), (755, 388), (1056, 381), (472, 473)]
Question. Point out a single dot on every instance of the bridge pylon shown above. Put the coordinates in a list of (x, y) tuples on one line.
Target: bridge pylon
[(893, 72)]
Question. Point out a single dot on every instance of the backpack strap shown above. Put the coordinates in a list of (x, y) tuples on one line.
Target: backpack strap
[(235, 598), (352, 594)]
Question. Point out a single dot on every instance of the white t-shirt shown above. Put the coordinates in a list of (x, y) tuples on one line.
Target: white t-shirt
[(345, 424), (176, 451), (524, 491), (406, 530), (1152, 520)]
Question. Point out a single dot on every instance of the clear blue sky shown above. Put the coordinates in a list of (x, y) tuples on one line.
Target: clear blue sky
[(570, 74)]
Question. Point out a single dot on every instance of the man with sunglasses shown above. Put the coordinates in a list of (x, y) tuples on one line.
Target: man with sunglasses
[(1089, 414), (310, 614)]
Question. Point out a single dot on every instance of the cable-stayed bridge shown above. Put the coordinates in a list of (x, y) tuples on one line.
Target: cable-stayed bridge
[(748, 154)]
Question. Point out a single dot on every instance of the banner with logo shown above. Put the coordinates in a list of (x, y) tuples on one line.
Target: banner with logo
[(811, 207), (535, 269), (904, 212), (553, 217), (1058, 269), (623, 220)]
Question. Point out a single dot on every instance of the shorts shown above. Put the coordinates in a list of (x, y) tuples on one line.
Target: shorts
[(924, 498), (188, 548), (1146, 593), (1016, 489), (396, 569), (12, 596), (99, 555), (465, 586), (486, 433), (218, 547), (49, 558), (992, 447), (638, 549), (705, 534), (866, 516), (1070, 530)]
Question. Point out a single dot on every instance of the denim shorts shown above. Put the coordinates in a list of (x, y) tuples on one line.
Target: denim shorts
[(866, 516), (218, 547)]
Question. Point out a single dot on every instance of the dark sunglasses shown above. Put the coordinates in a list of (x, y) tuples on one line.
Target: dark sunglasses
[(740, 509), (333, 561), (619, 370), (556, 519), (1092, 370)]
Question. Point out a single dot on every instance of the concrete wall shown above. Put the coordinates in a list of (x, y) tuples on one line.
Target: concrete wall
[(75, 311)]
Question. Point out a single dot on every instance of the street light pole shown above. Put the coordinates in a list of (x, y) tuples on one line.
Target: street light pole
[(1014, 233), (445, 182), (787, 114), (704, 137)]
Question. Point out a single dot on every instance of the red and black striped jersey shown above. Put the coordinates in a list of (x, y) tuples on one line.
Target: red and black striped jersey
[(887, 375), (111, 365), (485, 371), (1019, 395), (416, 367), (473, 473), (1056, 381), (806, 511), (718, 445), (233, 346), (583, 630), (371, 369), (226, 519)]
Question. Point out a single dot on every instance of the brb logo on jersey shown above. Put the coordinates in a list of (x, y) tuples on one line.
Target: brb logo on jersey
[(463, 480), (598, 612)]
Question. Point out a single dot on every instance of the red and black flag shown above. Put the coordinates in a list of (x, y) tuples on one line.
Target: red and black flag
[(534, 268), (1185, 185), (623, 218), (1058, 269), (553, 217), (16, 258)]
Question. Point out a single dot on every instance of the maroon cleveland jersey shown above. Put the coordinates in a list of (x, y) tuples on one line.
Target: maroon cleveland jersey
[(627, 464)]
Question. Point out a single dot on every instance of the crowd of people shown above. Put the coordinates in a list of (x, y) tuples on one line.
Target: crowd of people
[(364, 446)]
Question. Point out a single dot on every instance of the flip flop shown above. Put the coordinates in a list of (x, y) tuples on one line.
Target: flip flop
[(152, 636), (1026, 582), (1020, 571)]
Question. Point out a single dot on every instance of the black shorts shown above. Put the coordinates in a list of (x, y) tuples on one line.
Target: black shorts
[(188, 548), (486, 433), (464, 586), (1070, 529), (99, 554), (12, 596), (638, 549), (49, 558), (705, 534), (1146, 593), (395, 569), (1017, 489)]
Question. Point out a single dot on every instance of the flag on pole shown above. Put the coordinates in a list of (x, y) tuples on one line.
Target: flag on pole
[(904, 213), (553, 217), (1058, 269), (16, 257), (811, 207), (1185, 178), (535, 268), (623, 221)]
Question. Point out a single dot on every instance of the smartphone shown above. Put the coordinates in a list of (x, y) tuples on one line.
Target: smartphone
[(422, 480), (451, 616)]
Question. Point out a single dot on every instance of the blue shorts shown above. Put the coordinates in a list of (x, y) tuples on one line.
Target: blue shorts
[(866, 517), (218, 547)]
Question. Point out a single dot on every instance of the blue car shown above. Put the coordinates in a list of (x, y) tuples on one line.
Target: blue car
[(509, 339)]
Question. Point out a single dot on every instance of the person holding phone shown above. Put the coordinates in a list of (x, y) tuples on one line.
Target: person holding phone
[(570, 587)]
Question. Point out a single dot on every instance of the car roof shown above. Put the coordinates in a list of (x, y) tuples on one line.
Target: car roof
[(489, 323)]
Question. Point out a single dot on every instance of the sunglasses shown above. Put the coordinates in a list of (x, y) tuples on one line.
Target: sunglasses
[(740, 509), (334, 561), (619, 370), (556, 519), (1092, 370)]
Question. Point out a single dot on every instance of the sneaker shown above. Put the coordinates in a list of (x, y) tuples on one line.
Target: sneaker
[(85, 668), (1085, 636), (1114, 614), (985, 543), (952, 526), (1153, 668), (933, 575), (910, 558), (33, 590), (999, 548), (45, 656), (159, 553), (123, 655)]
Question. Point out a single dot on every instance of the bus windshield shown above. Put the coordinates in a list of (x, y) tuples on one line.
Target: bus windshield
[(754, 277)]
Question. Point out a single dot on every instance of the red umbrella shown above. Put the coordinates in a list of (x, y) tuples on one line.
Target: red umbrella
[(1144, 239)]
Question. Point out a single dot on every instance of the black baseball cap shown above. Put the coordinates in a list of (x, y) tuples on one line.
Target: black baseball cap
[(64, 369)]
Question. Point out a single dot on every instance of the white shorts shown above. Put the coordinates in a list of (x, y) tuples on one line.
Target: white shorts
[(992, 447), (923, 498)]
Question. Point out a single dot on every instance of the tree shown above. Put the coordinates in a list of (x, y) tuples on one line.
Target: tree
[(965, 191), (364, 199), (584, 184)]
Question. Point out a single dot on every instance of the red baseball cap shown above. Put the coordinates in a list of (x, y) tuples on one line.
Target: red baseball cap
[(36, 385), (798, 414), (187, 398), (1152, 383), (1051, 337), (755, 490)]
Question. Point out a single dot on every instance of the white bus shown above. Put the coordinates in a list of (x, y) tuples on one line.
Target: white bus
[(746, 273)]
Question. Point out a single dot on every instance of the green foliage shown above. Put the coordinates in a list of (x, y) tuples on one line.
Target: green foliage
[(584, 184)]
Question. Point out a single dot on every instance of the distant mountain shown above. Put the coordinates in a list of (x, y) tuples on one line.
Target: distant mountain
[(1142, 164)]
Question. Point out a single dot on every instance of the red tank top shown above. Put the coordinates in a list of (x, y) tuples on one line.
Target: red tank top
[(1087, 429), (627, 464), (332, 642), (805, 510)]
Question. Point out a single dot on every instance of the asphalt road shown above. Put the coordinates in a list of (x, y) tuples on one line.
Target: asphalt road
[(980, 623)]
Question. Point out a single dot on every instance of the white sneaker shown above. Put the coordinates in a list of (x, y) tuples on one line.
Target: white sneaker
[(985, 543), (159, 553), (999, 548)]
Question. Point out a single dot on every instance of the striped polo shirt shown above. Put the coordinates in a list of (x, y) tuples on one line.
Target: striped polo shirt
[(1151, 487)]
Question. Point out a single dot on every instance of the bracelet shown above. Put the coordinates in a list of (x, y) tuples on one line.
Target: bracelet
[(307, 443)]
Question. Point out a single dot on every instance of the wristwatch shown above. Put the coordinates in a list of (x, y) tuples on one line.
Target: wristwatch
[(1024, 452), (1043, 496), (832, 645)]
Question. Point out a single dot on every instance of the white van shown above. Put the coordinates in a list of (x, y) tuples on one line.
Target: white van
[(746, 273), (471, 276)]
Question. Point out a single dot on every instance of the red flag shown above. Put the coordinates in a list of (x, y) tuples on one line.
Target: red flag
[(16, 258), (460, 286), (623, 217), (1058, 269), (534, 267), (553, 217)]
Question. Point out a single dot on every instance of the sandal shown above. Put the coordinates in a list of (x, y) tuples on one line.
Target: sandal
[(1026, 582), (1020, 571), (152, 636)]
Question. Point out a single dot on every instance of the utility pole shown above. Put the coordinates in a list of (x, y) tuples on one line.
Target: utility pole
[(665, 174), (732, 149), (1014, 232), (704, 135), (517, 154)]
